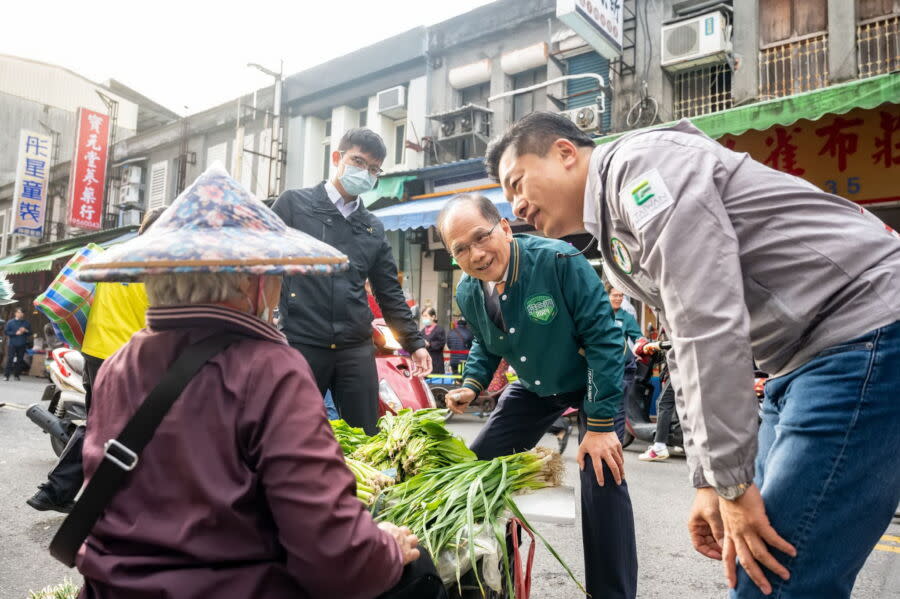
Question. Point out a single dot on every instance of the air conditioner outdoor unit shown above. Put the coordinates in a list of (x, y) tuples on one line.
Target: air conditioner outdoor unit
[(130, 187), (129, 218), (586, 118), (131, 175), (465, 122), (392, 102), (695, 41)]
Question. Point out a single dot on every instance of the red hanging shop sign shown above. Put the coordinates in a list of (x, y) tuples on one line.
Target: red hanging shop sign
[(87, 183)]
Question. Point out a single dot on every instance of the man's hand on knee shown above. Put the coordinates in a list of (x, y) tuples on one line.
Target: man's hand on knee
[(705, 524), (748, 536), (603, 448)]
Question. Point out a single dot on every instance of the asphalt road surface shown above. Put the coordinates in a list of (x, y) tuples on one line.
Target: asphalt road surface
[(669, 567)]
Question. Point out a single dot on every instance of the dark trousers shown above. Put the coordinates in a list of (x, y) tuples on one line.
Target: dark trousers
[(664, 413), (351, 376), (607, 522), (15, 360), (419, 580), (66, 478), (437, 362)]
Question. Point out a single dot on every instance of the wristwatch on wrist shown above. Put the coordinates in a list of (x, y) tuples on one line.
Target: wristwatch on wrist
[(732, 492)]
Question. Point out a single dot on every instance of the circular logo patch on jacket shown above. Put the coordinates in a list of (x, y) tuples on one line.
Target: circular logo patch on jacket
[(621, 256), (541, 308)]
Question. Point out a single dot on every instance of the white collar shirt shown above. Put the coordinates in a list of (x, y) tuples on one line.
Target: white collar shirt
[(344, 207), (488, 286)]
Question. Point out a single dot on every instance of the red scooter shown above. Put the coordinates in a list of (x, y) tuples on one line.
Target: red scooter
[(397, 387)]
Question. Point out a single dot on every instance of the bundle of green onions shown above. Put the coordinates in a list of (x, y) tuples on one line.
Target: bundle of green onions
[(369, 481), (412, 442), (448, 508), (349, 437)]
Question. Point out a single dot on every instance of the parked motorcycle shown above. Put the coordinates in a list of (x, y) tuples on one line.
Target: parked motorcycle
[(397, 387), (640, 397), (66, 395)]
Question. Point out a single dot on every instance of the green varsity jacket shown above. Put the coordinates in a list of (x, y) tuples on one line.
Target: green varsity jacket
[(560, 333)]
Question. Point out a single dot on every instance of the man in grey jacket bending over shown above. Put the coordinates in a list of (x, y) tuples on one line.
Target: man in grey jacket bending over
[(745, 262)]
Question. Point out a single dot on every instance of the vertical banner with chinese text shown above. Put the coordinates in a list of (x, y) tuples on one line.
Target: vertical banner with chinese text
[(87, 182), (32, 179)]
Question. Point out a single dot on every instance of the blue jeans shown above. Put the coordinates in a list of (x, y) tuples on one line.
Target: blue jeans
[(827, 465)]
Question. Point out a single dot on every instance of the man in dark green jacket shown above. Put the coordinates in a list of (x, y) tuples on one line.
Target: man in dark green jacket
[(528, 300)]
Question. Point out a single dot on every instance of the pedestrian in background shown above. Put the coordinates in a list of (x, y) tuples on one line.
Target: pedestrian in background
[(631, 331), (459, 339), (435, 339), (17, 331)]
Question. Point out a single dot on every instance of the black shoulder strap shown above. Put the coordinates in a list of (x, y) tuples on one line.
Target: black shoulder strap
[(121, 453)]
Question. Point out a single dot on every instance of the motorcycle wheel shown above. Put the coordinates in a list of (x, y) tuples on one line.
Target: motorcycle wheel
[(439, 394), (627, 439)]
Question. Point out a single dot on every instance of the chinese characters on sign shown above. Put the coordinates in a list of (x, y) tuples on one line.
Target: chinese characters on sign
[(32, 180), (855, 155), (88, 170), (599, 22)]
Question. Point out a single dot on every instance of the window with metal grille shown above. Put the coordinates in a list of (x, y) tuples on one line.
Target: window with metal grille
[(793, 57), (878, 36), (326, 167), (702, 91), (530, 101), (584, 91)]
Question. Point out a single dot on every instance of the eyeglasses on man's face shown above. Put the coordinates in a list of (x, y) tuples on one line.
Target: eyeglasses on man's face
[(460, 251), (360, 162)]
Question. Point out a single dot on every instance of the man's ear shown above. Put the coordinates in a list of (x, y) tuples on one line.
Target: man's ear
[(507, 228), (335, 158), (567, 152)]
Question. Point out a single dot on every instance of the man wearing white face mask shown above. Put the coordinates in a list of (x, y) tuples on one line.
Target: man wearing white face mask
[(328, 318)]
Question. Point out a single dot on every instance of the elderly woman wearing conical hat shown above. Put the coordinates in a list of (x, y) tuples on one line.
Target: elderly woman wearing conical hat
[(242, 490)]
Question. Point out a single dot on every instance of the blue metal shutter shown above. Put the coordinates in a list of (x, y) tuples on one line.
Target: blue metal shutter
[(589, 62)]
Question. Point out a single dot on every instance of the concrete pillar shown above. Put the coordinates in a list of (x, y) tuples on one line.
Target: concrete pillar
[(842, 61), (384, 127), (745, 40), (417, 105), (296, 137), (313, 151), (343, 118), (500, 82)]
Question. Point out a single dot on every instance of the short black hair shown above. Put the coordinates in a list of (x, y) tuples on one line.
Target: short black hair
[(487, 208), (533, 134), (366, 140), (431, 311)]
